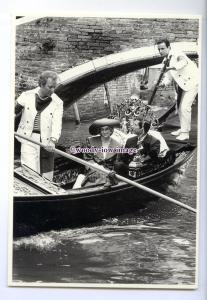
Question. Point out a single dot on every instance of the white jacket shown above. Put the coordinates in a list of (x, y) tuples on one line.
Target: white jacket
[(50, 117), (186, 73)]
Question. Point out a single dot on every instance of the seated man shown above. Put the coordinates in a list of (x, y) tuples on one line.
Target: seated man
[(150, 144)]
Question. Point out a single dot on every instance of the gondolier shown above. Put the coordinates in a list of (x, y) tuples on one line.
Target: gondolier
[(41, 120), (184, 73)]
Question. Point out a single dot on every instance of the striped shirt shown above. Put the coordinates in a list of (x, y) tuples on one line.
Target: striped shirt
[(40, 106), (36, 127)]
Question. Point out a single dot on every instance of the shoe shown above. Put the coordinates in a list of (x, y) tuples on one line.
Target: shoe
[(183, 136), (177, 132)]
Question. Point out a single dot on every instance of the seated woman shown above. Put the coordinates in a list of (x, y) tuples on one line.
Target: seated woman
[(104, 154)]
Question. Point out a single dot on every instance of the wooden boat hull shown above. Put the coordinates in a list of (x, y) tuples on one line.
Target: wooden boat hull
[(33, 214)]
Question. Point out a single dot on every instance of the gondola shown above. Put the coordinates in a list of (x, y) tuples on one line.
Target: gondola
[(49, 206)]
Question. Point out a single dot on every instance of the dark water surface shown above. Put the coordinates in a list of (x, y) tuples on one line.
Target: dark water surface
[(154, 246)]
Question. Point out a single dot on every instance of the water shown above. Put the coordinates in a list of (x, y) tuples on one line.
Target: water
[(154, 246)]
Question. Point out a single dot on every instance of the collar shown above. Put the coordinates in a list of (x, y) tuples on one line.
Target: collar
[(42, 99), (141, 139)]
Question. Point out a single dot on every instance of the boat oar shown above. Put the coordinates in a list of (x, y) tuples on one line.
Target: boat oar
[(107, 172), (163, 117), (159, 79)]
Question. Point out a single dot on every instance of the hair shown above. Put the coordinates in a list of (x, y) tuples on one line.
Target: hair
[(45, 75), (145, 125), (165, 41)]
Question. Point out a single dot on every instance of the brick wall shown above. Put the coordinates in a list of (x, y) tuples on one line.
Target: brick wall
[(61, 43)]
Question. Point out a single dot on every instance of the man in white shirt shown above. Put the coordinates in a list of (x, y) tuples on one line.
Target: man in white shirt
[(41, 120), (184, 73)]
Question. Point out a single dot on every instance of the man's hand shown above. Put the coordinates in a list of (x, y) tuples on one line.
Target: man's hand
[(145, 158), (170, 69), (162, 85), (50, 147)]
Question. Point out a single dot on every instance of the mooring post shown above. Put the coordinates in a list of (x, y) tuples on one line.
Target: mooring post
[(76, 113), (108, 96)]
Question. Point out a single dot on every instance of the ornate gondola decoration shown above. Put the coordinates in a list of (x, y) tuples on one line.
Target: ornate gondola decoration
[(131, 111)]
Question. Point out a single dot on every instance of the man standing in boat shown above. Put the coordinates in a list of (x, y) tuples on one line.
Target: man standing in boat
[(184, 73), (41, 120)]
